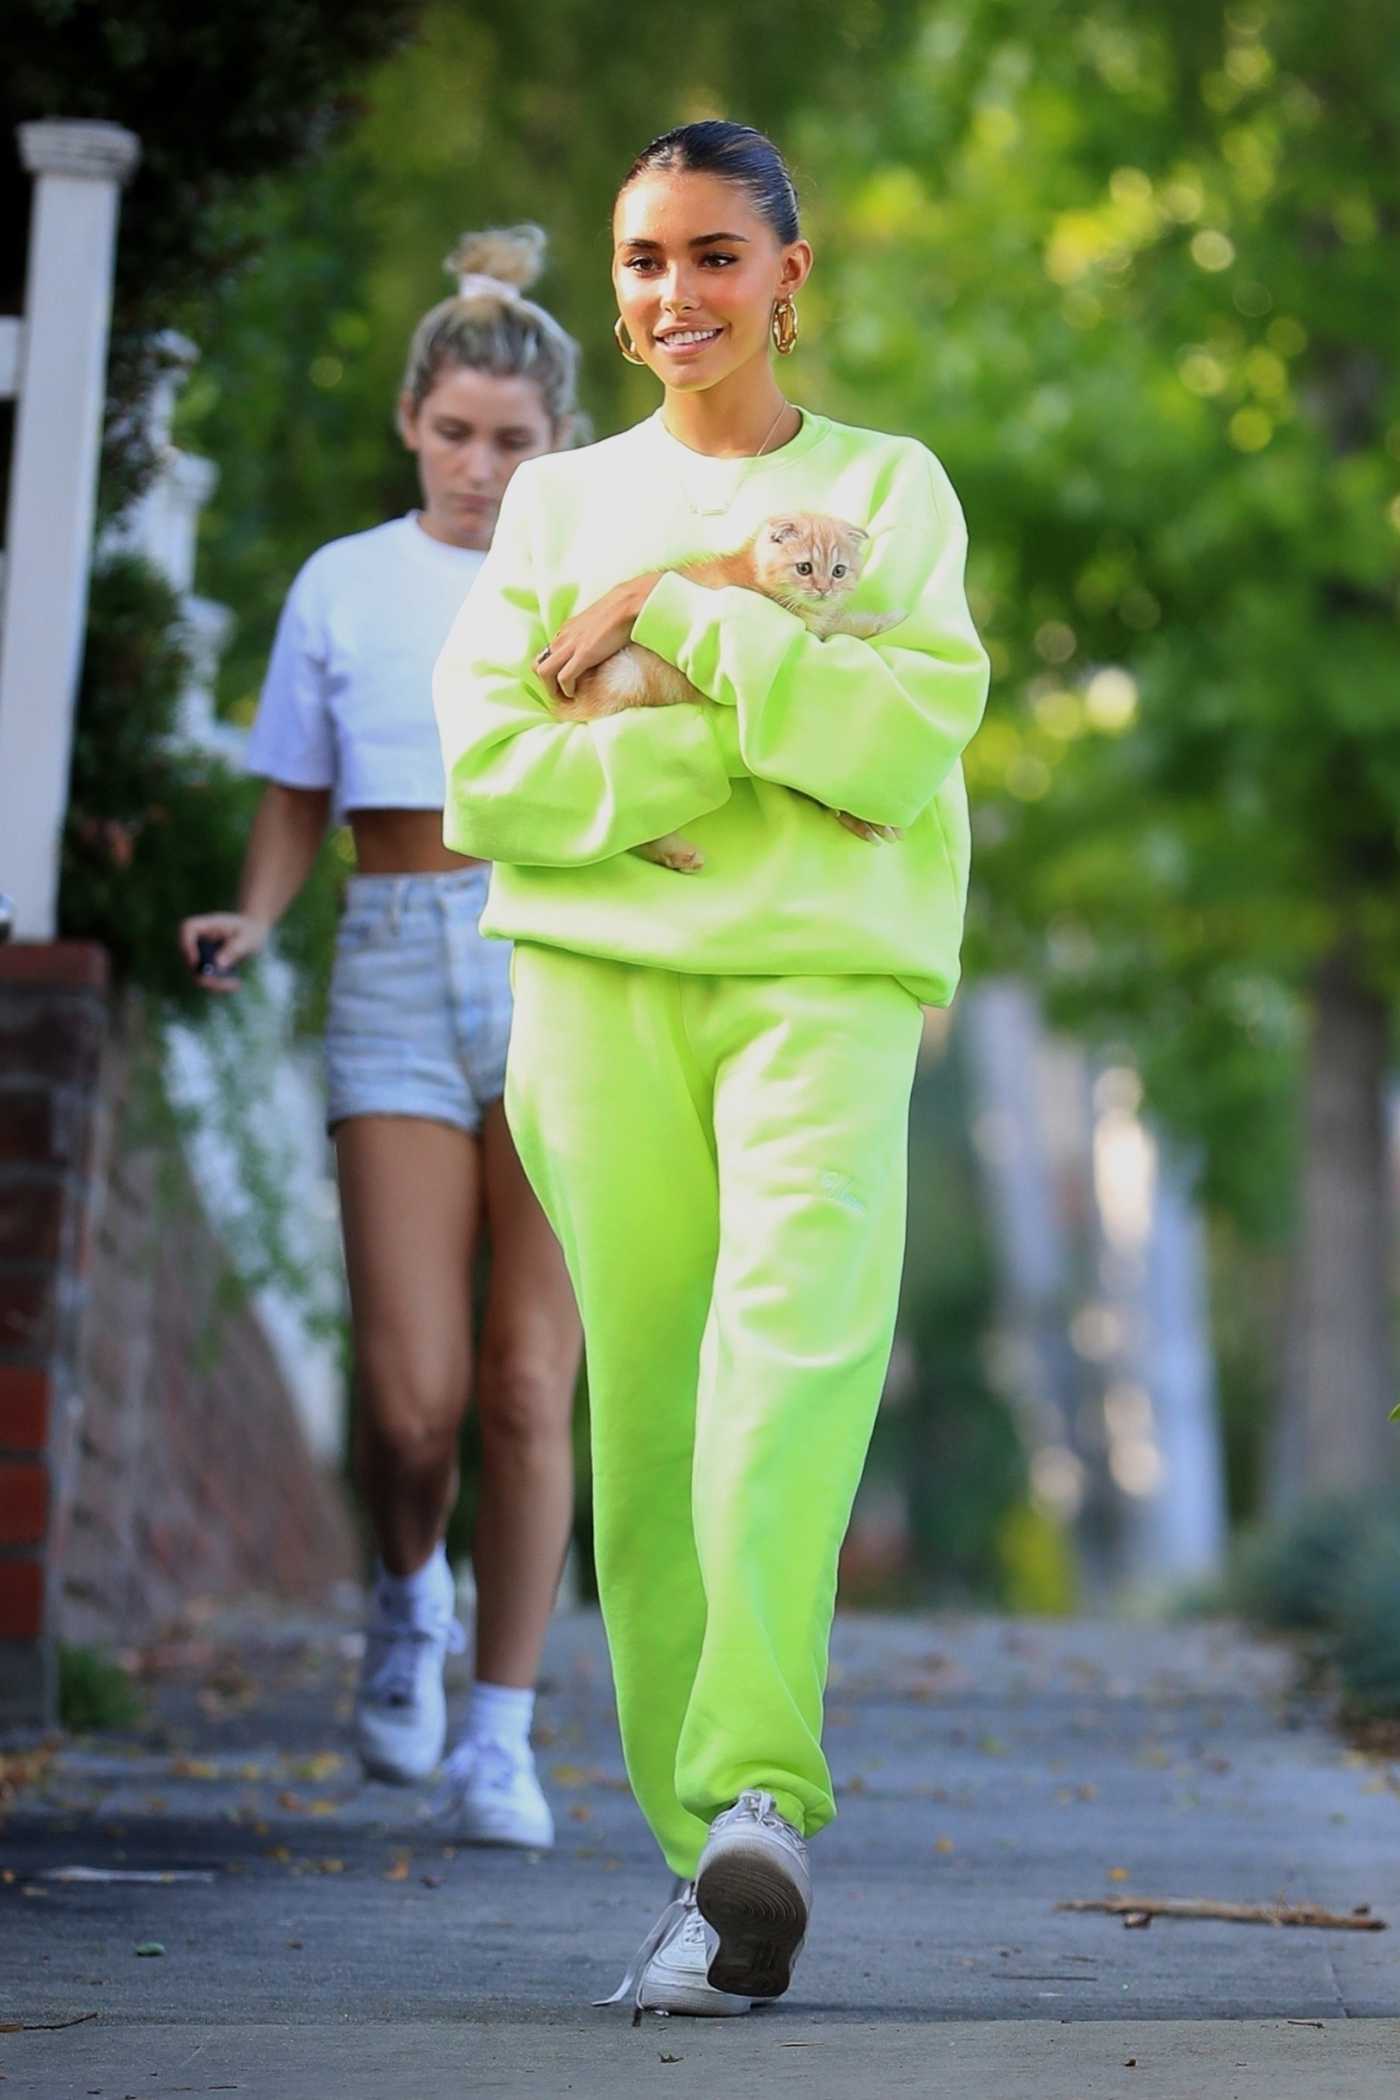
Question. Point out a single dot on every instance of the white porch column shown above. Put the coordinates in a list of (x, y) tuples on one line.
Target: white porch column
[(78, 170)]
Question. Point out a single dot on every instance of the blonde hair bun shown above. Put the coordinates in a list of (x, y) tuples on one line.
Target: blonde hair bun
[(490, 324), (509, 257)]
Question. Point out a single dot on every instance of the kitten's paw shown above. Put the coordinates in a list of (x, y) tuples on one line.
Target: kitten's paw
[(866, 626), (873, 834), (674, 853)]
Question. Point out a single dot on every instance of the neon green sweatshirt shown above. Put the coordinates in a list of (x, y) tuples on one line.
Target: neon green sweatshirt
[(871, 727)]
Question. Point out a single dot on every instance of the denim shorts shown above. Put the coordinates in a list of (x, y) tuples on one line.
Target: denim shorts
[(420, 1005)]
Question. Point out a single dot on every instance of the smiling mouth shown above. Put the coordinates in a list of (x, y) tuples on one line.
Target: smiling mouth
[(687, 338)]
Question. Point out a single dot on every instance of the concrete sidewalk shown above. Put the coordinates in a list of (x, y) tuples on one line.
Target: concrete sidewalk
[(339, 1945)]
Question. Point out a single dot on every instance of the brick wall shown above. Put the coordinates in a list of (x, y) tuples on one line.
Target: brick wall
[(53, 1011), (149, 1449)]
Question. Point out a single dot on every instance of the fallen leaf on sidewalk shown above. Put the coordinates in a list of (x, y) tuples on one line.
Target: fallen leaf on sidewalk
[(149, 1947), (400, 1869), (1134, 1908), (317, 1767), (22, 1767), (193, 1768)]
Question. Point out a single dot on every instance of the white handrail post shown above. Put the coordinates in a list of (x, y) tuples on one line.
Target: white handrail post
[(79, 169)]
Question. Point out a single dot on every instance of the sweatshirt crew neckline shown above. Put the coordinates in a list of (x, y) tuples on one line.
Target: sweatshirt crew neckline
[(712, 481)]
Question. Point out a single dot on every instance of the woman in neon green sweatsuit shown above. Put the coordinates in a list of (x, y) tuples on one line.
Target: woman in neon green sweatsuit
[(710, 1073)]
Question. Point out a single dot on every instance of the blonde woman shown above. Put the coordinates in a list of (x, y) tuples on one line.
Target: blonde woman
[(416, 1046)]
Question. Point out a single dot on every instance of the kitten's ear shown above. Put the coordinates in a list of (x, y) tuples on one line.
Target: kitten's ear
[(781, 529), (857, 532)]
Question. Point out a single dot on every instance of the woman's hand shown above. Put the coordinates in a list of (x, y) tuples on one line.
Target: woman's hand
[(592, 636), (238, 935)]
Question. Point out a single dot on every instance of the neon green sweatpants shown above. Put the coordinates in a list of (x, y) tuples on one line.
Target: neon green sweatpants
[(724, 1161)]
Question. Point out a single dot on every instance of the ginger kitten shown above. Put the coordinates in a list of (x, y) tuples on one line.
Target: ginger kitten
[(805, 562)]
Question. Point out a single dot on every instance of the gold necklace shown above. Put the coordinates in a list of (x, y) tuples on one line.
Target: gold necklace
[(717, 509), (772, 427)]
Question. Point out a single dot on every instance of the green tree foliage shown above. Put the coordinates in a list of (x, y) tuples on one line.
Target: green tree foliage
[(220, 97), (153, 823), (1136, 273), (150, 822)]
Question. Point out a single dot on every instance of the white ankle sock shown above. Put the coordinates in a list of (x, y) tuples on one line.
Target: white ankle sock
[(501, 1713), (426, 1585)]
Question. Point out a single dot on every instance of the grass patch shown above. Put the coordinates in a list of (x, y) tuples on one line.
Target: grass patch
[(94, 1692)]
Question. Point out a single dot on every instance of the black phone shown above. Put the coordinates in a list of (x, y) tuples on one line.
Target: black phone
[(207, 946)]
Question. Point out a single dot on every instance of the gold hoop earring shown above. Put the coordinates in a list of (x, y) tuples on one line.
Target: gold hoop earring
[(785, 326), (625, 343)]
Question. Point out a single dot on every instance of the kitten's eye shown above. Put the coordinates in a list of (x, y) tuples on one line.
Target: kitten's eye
[(838, 568), (804, 568)]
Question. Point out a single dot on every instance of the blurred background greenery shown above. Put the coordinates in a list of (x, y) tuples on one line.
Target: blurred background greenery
[(1134, 273)]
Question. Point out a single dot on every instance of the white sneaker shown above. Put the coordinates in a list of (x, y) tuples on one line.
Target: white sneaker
[(492, 1796), (667, 1973), (400, 1709), (754, 1886)]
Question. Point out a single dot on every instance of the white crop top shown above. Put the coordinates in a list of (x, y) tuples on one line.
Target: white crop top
[(348, 699)]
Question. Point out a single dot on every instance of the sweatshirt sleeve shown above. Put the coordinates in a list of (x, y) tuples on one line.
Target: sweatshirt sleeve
[(873, 727), (523, 786)]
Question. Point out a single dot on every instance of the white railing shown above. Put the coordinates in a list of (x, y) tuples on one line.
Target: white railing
[(53, 362)]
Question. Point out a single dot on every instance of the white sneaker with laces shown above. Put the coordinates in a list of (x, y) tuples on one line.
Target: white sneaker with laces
[(667, 1973), (400, 1708), (491, 1795), (754, 1886)]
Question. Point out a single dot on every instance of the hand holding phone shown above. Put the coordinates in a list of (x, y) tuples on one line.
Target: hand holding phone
[(215, 943), (207, 946)]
